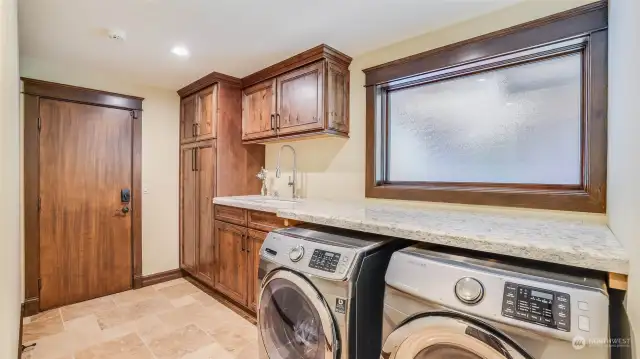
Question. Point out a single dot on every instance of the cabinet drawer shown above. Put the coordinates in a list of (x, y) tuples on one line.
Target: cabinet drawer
[(231, 214), (265, 221)]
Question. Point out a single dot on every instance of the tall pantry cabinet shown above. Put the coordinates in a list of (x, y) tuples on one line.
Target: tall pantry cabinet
[(213, 162)]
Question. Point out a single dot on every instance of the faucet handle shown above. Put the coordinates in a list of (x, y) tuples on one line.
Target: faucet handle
[(291, 183)]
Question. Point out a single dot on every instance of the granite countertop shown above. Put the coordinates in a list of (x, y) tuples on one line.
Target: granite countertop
[(584, 242)]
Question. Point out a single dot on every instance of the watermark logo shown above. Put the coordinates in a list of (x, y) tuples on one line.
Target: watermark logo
[(578, 342)]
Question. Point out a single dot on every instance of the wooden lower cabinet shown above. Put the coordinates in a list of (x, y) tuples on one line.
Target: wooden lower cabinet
[(254, 242), (232, 261)]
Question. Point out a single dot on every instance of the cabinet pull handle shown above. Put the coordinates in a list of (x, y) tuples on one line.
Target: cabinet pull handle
[(242, 243), (193, 129), (273, 118), (197, 129), (277, 122), (197, 152), (193, 159)]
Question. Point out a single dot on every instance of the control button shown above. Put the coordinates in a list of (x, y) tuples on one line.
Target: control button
[(509, 302), (534, 317), (562, 299), (563, 324), (511, 294), (546, 320), (583, 323), (562, 314), (562, 306), (469, 290), (296, 253), (583, 306), (508, 311), (522, 315)]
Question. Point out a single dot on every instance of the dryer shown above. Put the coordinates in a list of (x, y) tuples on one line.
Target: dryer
[(321, 293), (446, 304)]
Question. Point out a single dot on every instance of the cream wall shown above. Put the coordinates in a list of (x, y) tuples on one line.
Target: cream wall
[(624, 141), (10, 260), (334, 167), (160, 133)]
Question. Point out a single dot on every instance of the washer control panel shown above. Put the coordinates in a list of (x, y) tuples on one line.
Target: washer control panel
[(539, 306), (324, 260)]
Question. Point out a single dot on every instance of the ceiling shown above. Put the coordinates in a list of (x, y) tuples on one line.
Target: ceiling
[(235, 37)]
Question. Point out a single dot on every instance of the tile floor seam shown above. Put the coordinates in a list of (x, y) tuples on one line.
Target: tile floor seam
[(153, 355)]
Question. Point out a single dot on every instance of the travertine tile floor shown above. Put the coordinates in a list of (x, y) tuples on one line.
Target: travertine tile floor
[(169, 320)]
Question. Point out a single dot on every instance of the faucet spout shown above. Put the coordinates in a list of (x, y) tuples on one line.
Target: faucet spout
[(292, 182)]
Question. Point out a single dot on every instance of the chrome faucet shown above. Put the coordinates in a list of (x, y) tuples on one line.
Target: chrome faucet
[(291, 183)]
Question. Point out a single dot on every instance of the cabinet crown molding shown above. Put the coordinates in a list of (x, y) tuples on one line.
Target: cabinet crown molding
[(207, 81), (319, 52)]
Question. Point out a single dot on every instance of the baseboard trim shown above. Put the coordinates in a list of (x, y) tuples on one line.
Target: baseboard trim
[(31, 306), (160, 277)]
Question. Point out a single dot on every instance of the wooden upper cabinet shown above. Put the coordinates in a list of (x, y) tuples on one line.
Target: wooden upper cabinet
[(199, 115), (258, 110), (338, 97), (207, 113), (307, 93), (188, 121), (300, 100)]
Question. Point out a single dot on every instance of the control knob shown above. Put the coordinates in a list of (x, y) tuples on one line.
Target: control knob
[(296, 253), (469, 290)]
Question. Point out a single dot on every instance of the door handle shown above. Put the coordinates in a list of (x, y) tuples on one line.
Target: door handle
[(242, 244), (193, 129), (273, 118), (197, 129), (277, 122)]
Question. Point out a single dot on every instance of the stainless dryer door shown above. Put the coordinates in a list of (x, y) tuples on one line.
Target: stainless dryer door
[(293, 320), (437, 337)]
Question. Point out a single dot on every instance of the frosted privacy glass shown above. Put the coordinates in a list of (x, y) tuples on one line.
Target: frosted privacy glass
[(514, 125)]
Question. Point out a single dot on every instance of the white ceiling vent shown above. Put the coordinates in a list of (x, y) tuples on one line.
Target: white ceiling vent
[(116, 34)]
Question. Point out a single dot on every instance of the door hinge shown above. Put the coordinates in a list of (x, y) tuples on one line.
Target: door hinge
[(39, 283), (39, 123), (39, 203)]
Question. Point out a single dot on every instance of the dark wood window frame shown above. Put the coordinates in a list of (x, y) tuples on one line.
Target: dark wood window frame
[(33, 91), (588, 23)]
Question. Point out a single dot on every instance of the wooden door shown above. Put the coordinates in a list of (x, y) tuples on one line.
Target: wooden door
[(258, 110), (231, 259), (188, 119), (189, 208), (206, 173), (207, 105), (85, 234), (300, 99), (254, 239)]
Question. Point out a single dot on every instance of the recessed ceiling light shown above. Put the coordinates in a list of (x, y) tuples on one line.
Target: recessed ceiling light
[(481, 80), (180, 51)]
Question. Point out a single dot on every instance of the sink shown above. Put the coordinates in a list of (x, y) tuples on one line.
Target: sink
[(271, 200), (276, 201)]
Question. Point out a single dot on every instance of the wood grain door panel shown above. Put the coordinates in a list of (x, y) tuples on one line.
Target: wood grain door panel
[(230, 214), (85, 237), (231, 260), (255, 240), (189, 208), (300, 99), (207, 114), (188, 119), (206, 173), (264, 221), (258, 106), (338, 97)]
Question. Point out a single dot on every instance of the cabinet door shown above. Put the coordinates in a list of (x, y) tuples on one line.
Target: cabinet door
[(338, 97), (258, 110), (188, 210), (188, 121), (300, 99), (231, 259), (207, 114), (255, 239), (206, 173)]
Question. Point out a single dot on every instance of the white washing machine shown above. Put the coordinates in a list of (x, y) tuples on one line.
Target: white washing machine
[(448, 305)]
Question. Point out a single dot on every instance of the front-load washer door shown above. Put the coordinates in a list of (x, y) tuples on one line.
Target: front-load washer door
[(294, 321), (439, 337)]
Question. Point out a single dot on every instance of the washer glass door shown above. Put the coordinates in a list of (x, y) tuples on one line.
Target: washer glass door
[(446, 338), (293, 320)]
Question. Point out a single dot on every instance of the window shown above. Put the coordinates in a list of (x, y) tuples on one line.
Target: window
[(514, 119)]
